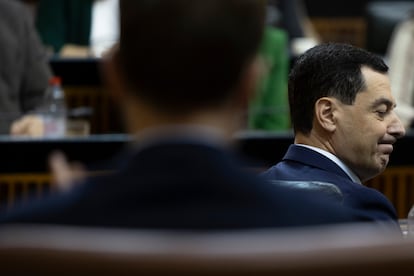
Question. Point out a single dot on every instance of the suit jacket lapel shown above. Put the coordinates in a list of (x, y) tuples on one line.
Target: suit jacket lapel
[(312, 158)]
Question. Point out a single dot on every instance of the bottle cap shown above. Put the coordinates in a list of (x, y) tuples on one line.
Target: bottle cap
[(55, 80)]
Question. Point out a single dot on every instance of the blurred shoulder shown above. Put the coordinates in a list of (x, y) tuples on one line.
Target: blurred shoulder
[(11, 6), (14, 16)]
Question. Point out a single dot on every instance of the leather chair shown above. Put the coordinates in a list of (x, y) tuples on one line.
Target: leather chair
[(335, 250), (316, 186)]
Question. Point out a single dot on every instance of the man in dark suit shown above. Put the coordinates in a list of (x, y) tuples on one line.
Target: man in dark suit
[(182, 74), (24, 70), (342, 111)]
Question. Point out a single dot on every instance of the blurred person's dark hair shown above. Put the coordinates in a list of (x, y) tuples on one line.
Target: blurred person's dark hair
[(327, 70), (182, 55)]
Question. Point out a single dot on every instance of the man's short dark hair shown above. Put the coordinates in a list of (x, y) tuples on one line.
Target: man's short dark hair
[(182, 55), (327, 70)]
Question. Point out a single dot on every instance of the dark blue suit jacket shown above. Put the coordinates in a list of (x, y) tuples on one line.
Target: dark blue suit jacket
[(181, 185), (302, 163)]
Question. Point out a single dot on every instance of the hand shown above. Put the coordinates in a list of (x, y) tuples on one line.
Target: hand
[(64, 174), (29, 125)]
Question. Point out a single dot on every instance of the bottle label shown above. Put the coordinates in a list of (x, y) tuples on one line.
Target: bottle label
[(54, 127)]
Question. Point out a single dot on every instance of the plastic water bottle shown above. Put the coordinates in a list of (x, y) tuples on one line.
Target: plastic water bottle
[(410, 223), (54, 117)]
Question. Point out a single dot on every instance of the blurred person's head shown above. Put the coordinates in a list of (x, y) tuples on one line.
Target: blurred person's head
[(341, 101), (179, 58)]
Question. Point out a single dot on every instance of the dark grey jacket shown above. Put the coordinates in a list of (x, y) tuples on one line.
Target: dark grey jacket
[(24, 71)]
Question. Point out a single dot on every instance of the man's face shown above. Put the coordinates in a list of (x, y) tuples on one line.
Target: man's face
[(367, 130)]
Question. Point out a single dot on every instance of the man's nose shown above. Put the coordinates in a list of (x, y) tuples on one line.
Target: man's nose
[(396, 127)]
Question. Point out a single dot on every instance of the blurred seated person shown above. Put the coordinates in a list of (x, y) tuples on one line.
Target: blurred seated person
[(24, 68), (182, 106)]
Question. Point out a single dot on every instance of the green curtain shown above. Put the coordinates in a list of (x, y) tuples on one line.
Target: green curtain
[(60, 22), (269, 110)]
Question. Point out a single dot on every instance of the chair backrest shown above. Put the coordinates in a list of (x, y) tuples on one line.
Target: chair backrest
[(329, 189), (337, 250)]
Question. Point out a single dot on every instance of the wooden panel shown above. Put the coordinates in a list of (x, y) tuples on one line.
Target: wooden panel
[(341, 29), (397, 184), (14, 187), (19, 187)]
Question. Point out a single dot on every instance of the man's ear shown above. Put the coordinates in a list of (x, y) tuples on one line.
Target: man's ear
[(325, 109)]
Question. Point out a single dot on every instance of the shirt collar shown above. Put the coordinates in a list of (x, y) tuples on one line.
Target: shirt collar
[(336, 160)]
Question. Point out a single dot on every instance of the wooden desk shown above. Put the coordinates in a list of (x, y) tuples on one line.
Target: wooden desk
[(77, 71), (24, 162)]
